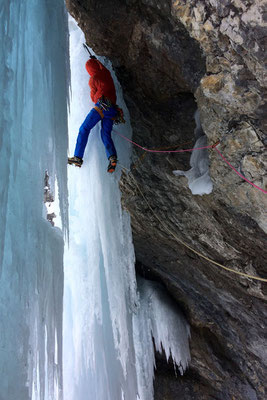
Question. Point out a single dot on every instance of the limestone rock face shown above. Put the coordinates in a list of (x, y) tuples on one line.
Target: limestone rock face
[(173, 57)]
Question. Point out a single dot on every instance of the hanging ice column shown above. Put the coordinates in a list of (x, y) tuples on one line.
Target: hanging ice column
[(158, 317), (198, 176), (33, 139), (102, 358)]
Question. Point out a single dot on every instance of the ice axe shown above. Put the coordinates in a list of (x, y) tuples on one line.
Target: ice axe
[(87, 48)]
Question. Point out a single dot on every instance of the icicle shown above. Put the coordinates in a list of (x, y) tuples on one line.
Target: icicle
[(160, 319), (199, 181)]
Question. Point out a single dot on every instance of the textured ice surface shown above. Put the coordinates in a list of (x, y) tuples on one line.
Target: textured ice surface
[(198, 177), (158, 317), (100, 299), (33, 138), (100, 286)]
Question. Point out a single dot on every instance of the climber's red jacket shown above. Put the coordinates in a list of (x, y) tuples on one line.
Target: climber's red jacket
[(101, 82)]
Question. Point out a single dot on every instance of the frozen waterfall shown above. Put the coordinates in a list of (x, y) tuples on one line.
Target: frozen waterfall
[(33, 139), (100, 287), (108, 348), (107, 319)]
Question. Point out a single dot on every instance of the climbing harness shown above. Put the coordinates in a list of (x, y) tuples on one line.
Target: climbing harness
[(213, 146), (100, 112), (168, 230), (104, 105)]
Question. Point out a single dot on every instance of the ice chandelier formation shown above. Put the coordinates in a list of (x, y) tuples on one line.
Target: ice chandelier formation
[(33, 139), (108, 348)]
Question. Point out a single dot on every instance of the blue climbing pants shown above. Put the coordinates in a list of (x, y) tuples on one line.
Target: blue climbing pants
[(106, 127)]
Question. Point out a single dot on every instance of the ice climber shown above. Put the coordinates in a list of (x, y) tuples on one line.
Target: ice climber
[(103, 94)]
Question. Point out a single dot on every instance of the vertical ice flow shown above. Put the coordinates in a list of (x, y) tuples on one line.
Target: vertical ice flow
[(105, 321), (33, 138), (100, 287)]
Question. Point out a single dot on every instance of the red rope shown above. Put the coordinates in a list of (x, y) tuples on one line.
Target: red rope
[(238, 173), (214, 146), (161, 151)]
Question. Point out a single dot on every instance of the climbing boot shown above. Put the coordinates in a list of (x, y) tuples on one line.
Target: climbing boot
[(77, 161), (112, 164)]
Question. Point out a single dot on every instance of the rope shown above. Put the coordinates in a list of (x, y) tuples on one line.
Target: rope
[(213, 146), (185, 244), (172, 146), (141, 158), (238, 173), (162, 151)]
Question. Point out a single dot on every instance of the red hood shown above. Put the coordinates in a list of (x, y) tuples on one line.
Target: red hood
[(93, 66)]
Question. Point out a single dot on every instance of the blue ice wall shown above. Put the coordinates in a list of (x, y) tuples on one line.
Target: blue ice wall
[(33, 138)]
